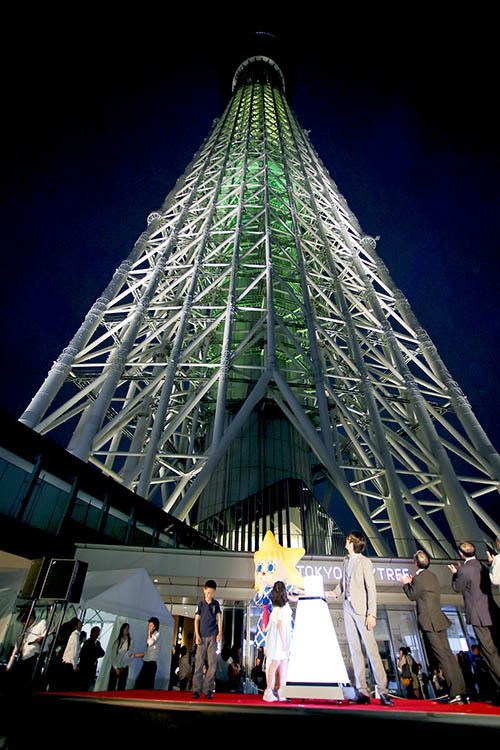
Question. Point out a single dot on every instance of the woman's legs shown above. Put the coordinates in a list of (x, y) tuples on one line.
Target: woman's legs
[(280, 666), (122, 679), (282, 670), (271, 677)]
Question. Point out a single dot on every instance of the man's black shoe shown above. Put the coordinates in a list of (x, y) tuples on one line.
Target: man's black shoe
[(196, 694), (362, 699), (209, 696), (385, 700)]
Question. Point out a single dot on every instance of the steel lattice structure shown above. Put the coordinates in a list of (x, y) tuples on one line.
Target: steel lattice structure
[(255, 281)]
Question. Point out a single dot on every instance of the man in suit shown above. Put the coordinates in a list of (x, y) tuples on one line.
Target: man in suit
[(90, 653), (472, 580), (360, 617), (423, 588)]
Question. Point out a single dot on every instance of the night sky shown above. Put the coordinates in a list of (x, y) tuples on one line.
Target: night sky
[(103, 116)]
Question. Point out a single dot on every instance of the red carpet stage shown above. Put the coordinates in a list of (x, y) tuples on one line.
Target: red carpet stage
[(255, 702), (74, 720)]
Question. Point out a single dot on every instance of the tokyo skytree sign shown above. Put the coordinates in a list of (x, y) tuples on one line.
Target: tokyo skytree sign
[(253, 337)]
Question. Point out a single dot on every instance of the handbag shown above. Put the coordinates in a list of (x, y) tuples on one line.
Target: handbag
[(405, 674)]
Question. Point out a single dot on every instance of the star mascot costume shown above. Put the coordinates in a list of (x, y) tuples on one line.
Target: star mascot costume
[(273, 563)]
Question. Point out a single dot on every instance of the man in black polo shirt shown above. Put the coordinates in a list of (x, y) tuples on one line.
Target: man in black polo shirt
[(208, 632)]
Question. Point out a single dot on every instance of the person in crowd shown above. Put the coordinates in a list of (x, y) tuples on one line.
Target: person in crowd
[(90, 653), (494, 561), (174, 666), (120, 659), (407, 672), (466, 668), (423, 681), (258, 675), (208, 632), (484, 687), (192, 657), (22, 665), (146, 677), (65, 631), (235, 673), (359, 595), (57, 672), (438, 683), (70, 656), (472, 580), (224, 660), (278, 639), (185, 674), (83, 638), (424, 589)]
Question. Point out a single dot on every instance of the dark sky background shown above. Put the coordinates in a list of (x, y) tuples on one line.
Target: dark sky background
[(103, 115)]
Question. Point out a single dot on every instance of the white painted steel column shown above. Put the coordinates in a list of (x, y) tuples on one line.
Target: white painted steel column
[(91, 421), (161, 410), (403, 537), (220, 409)]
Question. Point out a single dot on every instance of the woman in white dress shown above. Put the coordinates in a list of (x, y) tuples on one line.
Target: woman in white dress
[(278, 639)]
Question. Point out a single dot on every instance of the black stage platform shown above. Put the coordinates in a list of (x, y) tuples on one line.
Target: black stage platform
[(49, 720)]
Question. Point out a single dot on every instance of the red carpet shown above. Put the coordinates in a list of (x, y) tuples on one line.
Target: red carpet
[(255, 701)]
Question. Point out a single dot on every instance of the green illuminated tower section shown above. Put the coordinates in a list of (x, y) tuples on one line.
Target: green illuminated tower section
[(251, 364)]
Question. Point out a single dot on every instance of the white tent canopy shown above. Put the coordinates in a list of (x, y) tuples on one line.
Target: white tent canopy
[(11, 582), (132, 597), (126, 595), (129, 593)]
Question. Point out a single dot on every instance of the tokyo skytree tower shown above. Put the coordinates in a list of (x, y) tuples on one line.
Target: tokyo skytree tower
[(252, 365)]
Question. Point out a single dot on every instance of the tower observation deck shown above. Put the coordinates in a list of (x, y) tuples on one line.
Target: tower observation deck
[(252, 365)]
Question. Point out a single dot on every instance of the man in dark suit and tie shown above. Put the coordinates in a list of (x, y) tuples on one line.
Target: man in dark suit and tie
[(423, 588), (471, 579)]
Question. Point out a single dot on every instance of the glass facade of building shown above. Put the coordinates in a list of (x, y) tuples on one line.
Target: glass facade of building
[(49, 500), (264, 482), (287, 508), (48, 503)]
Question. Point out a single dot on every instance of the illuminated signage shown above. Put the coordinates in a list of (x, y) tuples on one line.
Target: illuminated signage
[(382, 573), (322, 675)]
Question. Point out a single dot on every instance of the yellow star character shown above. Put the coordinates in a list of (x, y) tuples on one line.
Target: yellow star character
[(276, 563)]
